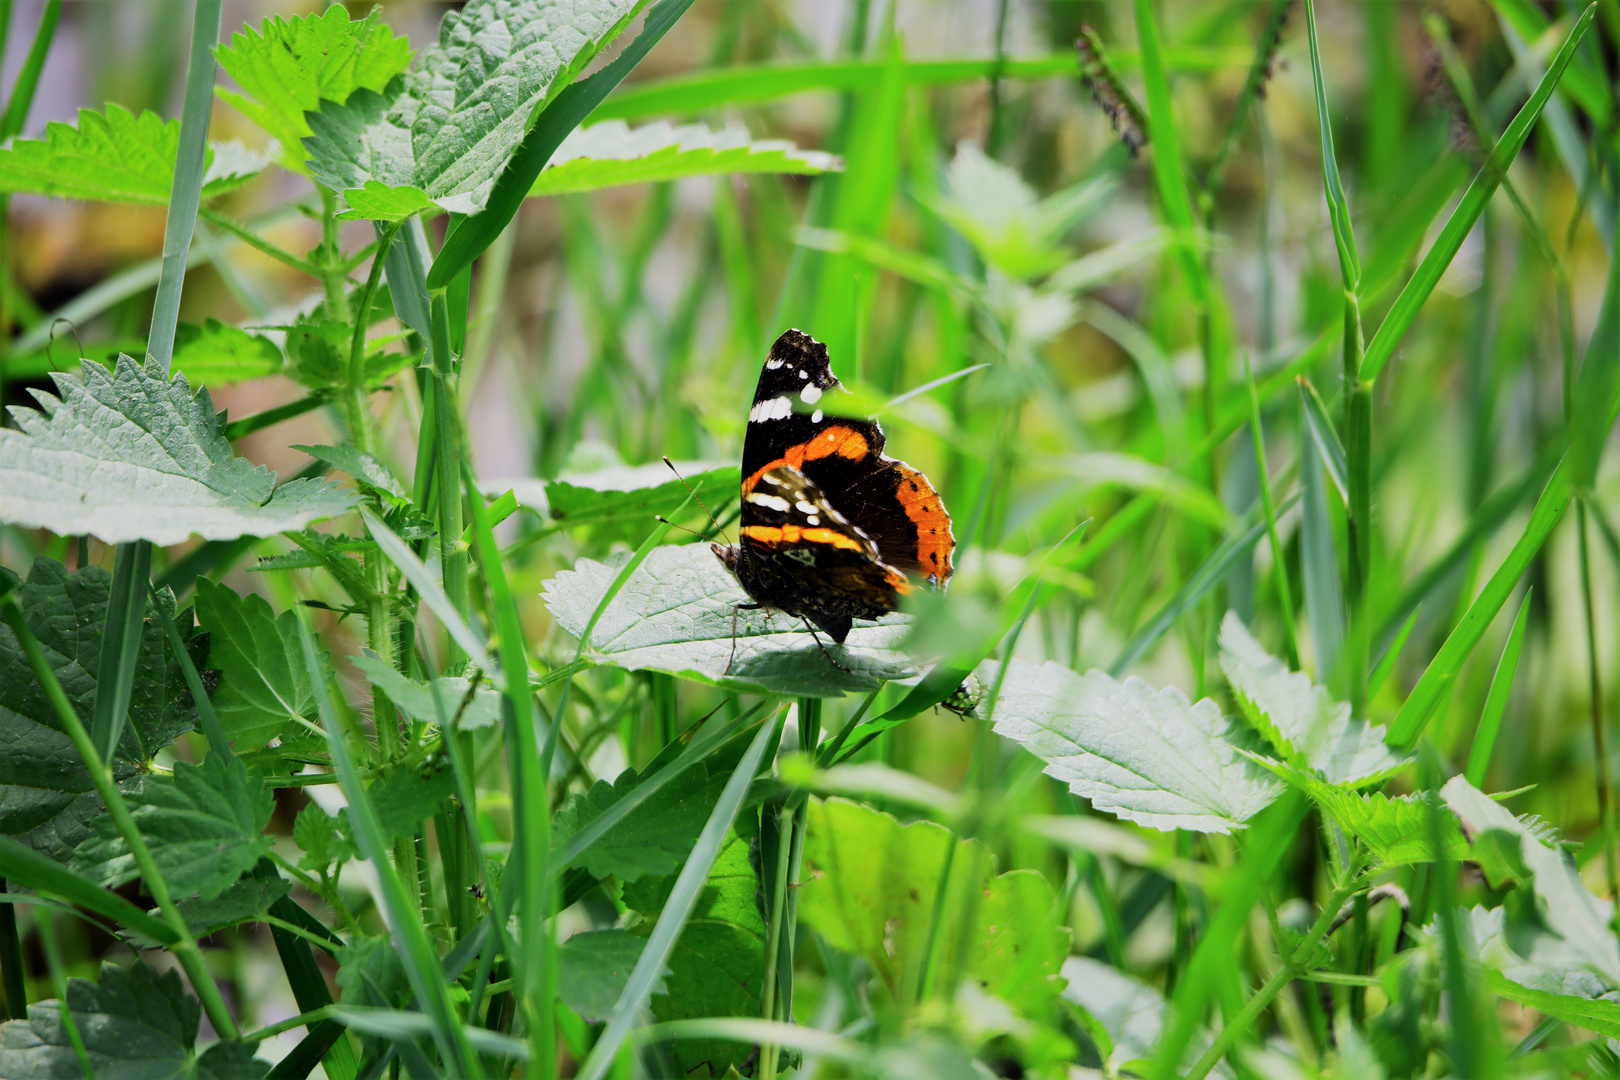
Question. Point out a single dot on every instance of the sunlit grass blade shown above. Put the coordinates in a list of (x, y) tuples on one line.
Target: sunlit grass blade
[(1392, 654), (678, 908), (1496, 699), (1319, 567), (759, 1032), (22, 91), (432, 594), (1279, 567), (1168, 168), (1327, 441)]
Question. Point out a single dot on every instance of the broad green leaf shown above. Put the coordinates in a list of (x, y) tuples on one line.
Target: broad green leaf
[(1149, 756), (1300, 719), (264, 690), (371, 973), (361, 466), (416, 699), (46, 798), (593, 967), (116, 157), (1523, 957), (870, 885), (404, 796), (1130, 1012), (1601, 1015), (676, 614), (1397, 830), (204, 825), (217, 354), (287, 67), (377, 201), (135, 1025), (132, 455), (449, 127), (635, 492), (245, 900), (718, 963), (612, 154)]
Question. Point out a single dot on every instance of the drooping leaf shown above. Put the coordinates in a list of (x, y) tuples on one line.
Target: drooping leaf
[(1149, 756), (1299, 718), (135, 1025), (203, 824), (622, 491), (47, 800), (1130, 1012), (218, 354), (593, 967), (116, 157), (130, 455), (870, 885), (404, 796), (676, 614), (449, 127), (416, 699), (264, 686), (718, 964), (361, 466), (287, 67)]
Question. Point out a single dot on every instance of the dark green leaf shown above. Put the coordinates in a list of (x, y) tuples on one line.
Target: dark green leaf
[(217, 354), (593, 967), (628, 491), (361, 466), (317, 834), (264, 689), (243, 901), (403, 797)]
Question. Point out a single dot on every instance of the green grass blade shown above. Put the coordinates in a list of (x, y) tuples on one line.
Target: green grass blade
[(678, 908), (120, 645), (22, 865), (1328, 446), (22, 91), (1279, 566), (1386, 663), (1168, 169), (1319, 566), (1446, 245), (432, 594), (1344, 237), (1496, 699)]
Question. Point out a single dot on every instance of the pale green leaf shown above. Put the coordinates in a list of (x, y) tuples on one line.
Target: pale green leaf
[(217, 354), (1149, 756), (287, 67), (593, 967), (677, 611), (203, 824), (362, 466), (264, 685), (1131, 1013), (1398, 831), (377, 201), (416, 699), (47, 800), (450, 126), (116, 157), (1299, 718), (623, 492), (130, 455), (135, 1025)]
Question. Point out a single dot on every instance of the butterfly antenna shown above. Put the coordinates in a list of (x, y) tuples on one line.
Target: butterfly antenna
[(662, 520), (695, 498)]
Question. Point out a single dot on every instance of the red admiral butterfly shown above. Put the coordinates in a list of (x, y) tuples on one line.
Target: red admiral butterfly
[(832, 530)]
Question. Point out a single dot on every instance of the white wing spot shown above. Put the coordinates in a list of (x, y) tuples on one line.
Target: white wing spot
[(815, 417), (772, 502), (810, 394), (813, 520), (803, 507), (803, 374), (772, 365), (775, 409)]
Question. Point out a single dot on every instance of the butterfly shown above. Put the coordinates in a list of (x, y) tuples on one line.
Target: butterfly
[(832, 530)]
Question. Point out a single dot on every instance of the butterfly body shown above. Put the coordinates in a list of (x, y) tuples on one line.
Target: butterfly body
[(832, 530)]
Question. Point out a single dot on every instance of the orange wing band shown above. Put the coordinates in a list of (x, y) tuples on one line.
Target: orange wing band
[(770, 535), (838, 439), (927, 511)]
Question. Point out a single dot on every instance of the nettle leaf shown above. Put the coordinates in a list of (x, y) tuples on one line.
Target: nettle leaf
[(404, 796), (204, 826), (593, 967), (47, 800), (718, 963), (319, 837), (362, 466), (415, 699), (264, 683), (622, 492), (245, 900), (1565, 905), (287, 67), (1149, 756), (136, 1025), (217, 354), (676, 614), (116, 157), (1299, 718), (1131, 1014), (1398, 831), (130, 455), (870, 885), (449, 128)]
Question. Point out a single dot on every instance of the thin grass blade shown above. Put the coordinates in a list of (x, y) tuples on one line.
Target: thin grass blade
[(1496, 699)]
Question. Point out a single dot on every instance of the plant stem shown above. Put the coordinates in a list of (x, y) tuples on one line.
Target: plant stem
[(185, 949), (258, 243), (13, 987), (333, 276), (1279, 568), (1605, 795), (784, 849)]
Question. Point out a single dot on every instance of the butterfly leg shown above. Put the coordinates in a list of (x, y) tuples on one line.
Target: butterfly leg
[(734, 609), (823, 648)]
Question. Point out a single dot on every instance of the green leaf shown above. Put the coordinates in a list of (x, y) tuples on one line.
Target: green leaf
[(361, 466), (1130, 1012), (1398, 831), (676, 614), (415, 699), (593, 967), (264, 689), (449, 127), (217, 354), (1300, 719), (371, 973), (287, 67), (47, 800), (622, 491), (1601, 1015), (242, 901), (135, 1025), (377, 201), (204, 825), (317, 836), (718, 963), (116, 157), (133, 455), (404, 796), (1149, 756), (612, 154), (870, 886)]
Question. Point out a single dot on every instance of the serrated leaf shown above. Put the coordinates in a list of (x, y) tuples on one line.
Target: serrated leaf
[(870, 885), (371, 973), (677, 611), (449, 127), (377, 201), (1149, 756), (622, 492), (718, 963), (116, 157), (611, 154), (264, 685), (1399, 831), (406, 795), (361, 466), (287, 67), (1131, 1012), (1299, 718), (593, 967), (135, 1025), (204, 826), (130, 455), (217, 354), (1601, 1015), (246, 900), (317, 836), (415, 699), (47, 800)]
